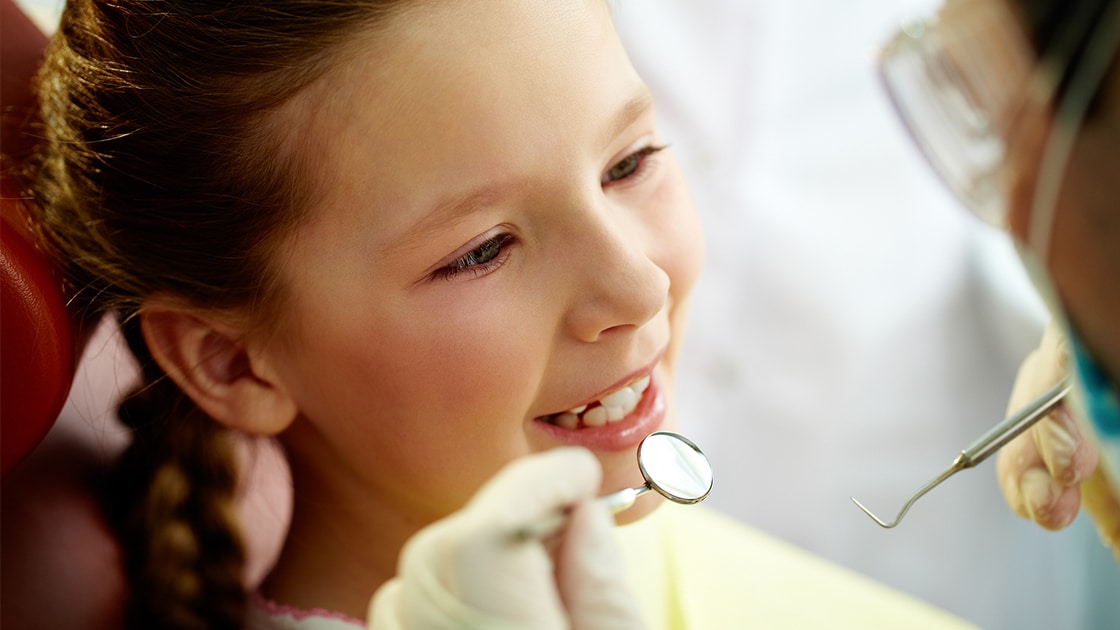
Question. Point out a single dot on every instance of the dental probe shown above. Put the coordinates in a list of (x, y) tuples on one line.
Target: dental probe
[(987, 444)]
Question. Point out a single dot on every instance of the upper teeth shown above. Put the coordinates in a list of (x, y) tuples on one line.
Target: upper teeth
[(612, 407)]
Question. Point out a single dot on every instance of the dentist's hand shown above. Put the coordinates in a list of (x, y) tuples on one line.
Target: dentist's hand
[(1047, 473), (468, 570)]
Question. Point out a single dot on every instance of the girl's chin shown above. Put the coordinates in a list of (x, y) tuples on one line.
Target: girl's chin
[(621, 470)]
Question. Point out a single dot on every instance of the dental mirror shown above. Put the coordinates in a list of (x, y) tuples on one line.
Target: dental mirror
[(675, 467), (670, 463)]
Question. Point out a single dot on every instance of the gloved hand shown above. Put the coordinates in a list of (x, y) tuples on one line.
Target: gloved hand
[(470, 571), (1048, 472)]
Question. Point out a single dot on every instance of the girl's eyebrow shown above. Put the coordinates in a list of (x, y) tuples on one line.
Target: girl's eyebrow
[(457, 206), (472, 201), (638, 104)]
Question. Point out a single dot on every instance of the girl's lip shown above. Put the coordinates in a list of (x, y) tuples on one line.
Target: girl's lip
[(646, 370), (628, 432)]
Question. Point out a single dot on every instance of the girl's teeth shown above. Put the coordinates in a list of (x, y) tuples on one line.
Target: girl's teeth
[(640, 385), (595, 417), (614, 414), (624, 397), (611, 408), (568, 420)]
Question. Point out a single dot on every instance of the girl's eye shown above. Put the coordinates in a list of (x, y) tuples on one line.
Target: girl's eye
[(479, 261), (630, 165)]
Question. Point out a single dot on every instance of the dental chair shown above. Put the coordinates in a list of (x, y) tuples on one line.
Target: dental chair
[(60, 566)]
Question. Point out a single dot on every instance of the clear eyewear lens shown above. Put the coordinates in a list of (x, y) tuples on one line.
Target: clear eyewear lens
[(953, 80)]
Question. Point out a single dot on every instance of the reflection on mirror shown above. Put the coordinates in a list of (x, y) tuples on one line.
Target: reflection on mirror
[(675, 467)]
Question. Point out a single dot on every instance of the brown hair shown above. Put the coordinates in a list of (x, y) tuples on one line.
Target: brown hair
[(161, 171)]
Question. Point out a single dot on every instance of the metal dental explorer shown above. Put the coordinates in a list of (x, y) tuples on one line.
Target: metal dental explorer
[(987, 444)]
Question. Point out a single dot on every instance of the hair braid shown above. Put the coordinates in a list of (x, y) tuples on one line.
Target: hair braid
[(161, 170), (174, 488)]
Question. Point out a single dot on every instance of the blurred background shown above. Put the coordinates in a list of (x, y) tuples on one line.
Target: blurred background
[(854, 328)]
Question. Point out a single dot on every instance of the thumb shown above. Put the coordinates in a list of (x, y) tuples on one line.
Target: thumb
[(591, 573)]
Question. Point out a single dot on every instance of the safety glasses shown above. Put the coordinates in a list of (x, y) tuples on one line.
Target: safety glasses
[(961, 78)]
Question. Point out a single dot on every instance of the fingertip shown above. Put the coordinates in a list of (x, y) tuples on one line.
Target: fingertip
[(1085, 462), (567, 475), (1009, 484), (1012, 463), (1064, 511), (1046, 502), (1070, 458), (581, 461), (535, 487), (1059, 442)]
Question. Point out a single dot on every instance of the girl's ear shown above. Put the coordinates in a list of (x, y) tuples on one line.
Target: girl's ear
[(211, 363)]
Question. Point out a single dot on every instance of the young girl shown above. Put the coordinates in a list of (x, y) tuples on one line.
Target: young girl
[(414, 241), (437, 249)]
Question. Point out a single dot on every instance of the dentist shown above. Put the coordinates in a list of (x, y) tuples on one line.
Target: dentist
[(1016, 104)]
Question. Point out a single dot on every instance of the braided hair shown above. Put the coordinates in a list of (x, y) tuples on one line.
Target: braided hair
[(161, 170)]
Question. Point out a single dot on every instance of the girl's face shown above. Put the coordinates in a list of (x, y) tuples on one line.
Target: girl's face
[(500, 239)]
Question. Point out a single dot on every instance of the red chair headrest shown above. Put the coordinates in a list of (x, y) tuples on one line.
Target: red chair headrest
[(37, 350), (37, 335)]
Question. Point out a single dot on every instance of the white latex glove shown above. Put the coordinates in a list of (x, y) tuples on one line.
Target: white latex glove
[(1050, 472), (469, 571)]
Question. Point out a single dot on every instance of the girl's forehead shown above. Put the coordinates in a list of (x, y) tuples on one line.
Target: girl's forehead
[(504, 48), (454, 93)]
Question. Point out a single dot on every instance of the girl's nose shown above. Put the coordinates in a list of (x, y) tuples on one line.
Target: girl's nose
[(616, 286)]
